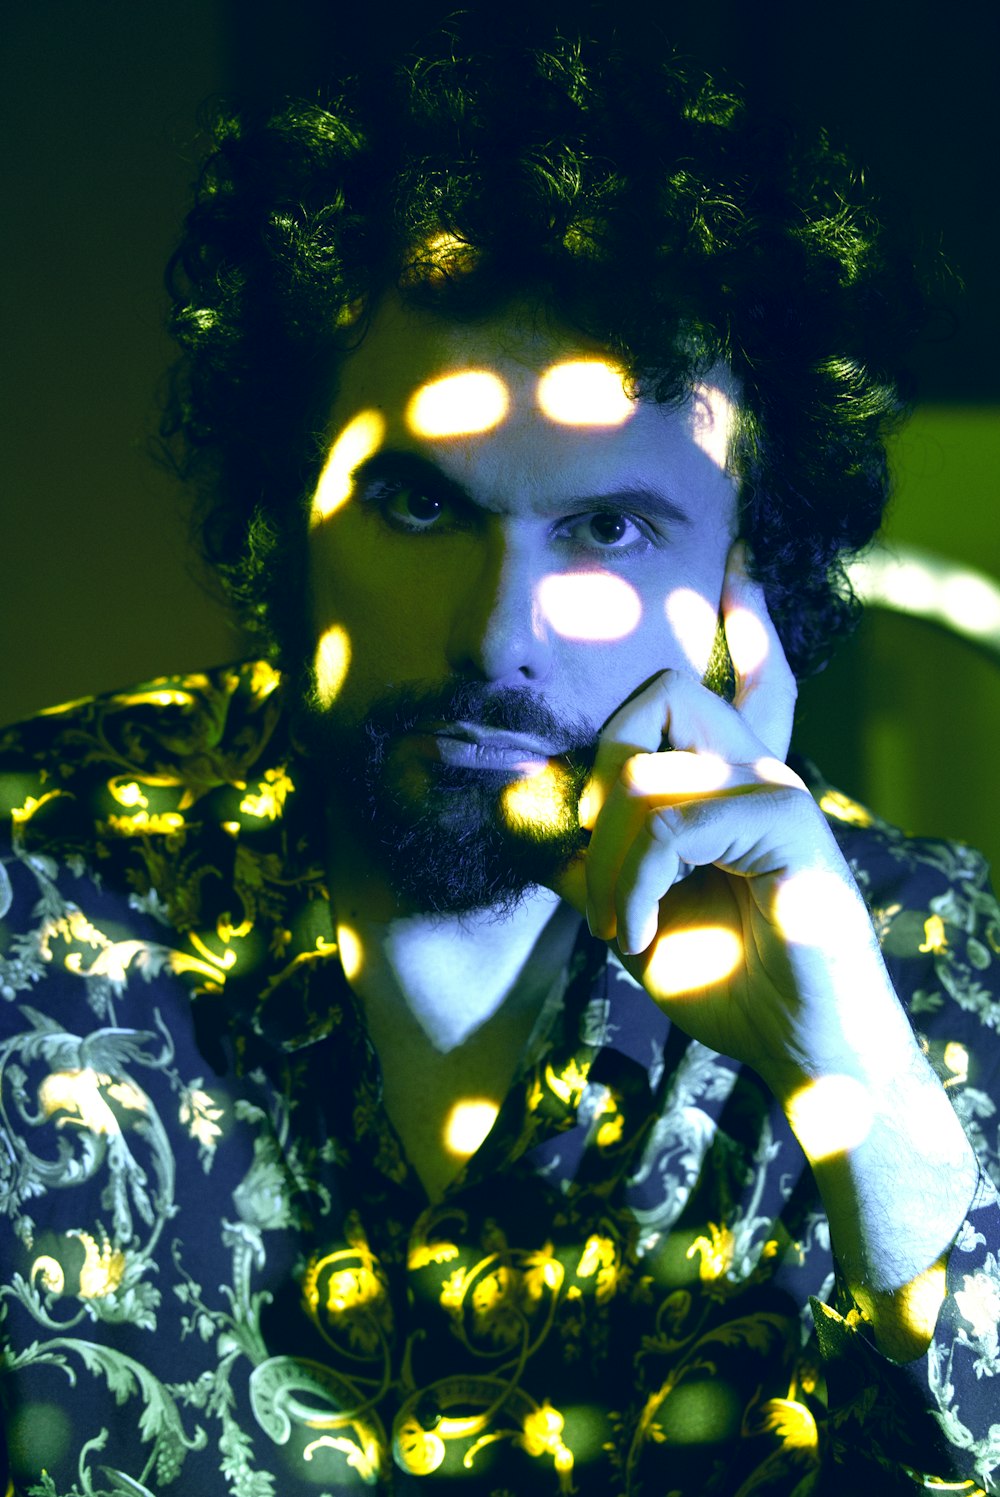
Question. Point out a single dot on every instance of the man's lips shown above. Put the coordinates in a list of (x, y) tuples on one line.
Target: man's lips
[(472, 746), (495, 738)]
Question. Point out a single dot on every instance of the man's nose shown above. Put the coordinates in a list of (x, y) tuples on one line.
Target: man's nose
[(498, 632)]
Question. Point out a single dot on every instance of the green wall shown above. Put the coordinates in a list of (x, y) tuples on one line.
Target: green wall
[(908, 716)]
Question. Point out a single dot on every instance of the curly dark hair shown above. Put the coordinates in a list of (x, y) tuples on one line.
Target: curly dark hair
[(644, 206)]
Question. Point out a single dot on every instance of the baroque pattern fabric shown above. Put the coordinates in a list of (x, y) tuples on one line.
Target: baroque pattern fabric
[(219, 1275)]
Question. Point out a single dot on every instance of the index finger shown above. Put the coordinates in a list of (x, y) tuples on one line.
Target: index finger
[(677, 711), (766, 688)]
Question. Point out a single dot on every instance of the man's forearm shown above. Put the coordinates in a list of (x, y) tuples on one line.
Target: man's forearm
[(896, 1174)]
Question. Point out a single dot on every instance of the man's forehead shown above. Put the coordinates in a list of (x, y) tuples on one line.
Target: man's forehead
[(433, 378)]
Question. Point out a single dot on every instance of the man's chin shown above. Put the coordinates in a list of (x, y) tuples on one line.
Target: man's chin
[(448, 844)]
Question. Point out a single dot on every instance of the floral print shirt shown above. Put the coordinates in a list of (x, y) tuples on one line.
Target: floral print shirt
[(219, 1275)]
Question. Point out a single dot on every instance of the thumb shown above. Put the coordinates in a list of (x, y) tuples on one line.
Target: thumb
[(571, 883)]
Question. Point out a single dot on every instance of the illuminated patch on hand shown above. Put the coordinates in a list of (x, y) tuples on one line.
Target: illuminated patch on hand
[(333, 656), (817, 908), (831, 1115), (359, 439), (456, 405), (677, 773), (467, 1124), (589, 605), (684, 961), (584, 392), (778, 772)]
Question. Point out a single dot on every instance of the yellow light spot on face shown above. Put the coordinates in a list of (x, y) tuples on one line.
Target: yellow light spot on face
[(584, 392), (831, 1115), (677, 773), (685, 960), (956, 1058), (693, 621), (349, 951), (747, 640), (333, 656), (589, 605), (816, 908), (712, 426), (467, 1125), (457, 405), (539, 801), (359, 439)]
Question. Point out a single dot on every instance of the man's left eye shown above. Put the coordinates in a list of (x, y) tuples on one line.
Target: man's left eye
[(608, 531)]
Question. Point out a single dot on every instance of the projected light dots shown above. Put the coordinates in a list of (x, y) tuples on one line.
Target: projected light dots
[(592, 606)]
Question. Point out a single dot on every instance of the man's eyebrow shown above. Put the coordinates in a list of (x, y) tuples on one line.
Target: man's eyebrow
[(402, 466)]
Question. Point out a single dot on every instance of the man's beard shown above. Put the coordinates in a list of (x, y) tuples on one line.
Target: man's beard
[(448, 839), (451, 839)]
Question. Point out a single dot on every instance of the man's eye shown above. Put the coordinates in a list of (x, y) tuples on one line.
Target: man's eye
[(416, 512), (411, 509)]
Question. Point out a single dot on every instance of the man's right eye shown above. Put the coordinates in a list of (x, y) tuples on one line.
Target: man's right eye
[(407, 508)]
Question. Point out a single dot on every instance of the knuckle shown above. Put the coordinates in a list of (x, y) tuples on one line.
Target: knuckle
[(662, 825)]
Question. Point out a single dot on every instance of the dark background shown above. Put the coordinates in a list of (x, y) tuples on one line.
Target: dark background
[(98, 103)]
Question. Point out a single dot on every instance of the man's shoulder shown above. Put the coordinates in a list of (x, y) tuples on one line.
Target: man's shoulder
[(167, 719), (884, 855), (160, 830), (133, 760), (936, 918)]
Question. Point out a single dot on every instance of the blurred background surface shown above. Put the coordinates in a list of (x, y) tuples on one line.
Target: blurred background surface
[(98, 106)]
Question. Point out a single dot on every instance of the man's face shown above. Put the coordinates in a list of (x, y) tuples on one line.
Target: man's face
[(503, 550)]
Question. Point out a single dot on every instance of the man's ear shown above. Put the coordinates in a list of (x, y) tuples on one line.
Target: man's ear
[(720, 676)]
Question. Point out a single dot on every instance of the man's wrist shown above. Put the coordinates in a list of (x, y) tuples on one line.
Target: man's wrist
[(897, 1175)]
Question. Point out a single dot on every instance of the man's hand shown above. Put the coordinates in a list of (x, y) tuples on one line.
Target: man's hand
[(714, 871)]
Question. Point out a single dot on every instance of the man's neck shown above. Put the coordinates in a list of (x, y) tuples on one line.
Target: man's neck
[(448, 973)]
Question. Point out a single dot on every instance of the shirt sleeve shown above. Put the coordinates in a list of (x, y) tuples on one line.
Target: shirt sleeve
[(936, 1420), (933, 1422)]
